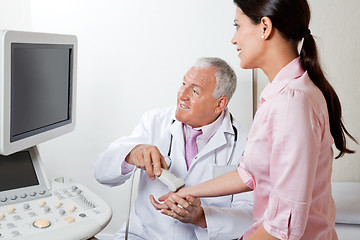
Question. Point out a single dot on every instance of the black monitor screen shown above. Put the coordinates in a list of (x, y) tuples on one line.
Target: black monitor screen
[(41, 88), (17, 171)]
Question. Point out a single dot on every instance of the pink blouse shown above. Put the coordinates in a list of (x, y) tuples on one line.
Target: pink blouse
[(288, 159)]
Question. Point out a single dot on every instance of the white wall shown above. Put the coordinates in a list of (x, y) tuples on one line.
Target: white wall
[(132, 58), (335, 24), (15, 15)]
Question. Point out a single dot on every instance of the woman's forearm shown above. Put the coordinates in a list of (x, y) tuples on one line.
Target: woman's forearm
[(261, 234), (230, 183)]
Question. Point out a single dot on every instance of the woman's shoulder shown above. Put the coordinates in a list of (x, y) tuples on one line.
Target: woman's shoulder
[(302, 90)]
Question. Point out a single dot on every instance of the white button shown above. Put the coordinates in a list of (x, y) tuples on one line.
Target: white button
[(72, 207), (15, 233), (32, 214)]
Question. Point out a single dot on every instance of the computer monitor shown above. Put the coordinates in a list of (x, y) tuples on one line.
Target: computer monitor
[(37, 88), (23, 177)]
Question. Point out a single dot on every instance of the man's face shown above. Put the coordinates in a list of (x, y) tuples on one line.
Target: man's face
[(196, 106)]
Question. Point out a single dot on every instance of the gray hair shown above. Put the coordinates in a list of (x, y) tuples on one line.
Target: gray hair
[(225, 76)]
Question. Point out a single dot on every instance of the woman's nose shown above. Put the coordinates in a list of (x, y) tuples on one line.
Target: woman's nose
[(233, 41)]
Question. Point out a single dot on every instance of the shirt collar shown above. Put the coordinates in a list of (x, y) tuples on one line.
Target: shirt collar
[(291, 71), (208, 130)]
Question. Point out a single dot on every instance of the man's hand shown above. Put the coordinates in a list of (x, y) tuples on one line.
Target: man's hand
[(147, 157), (186, 210)]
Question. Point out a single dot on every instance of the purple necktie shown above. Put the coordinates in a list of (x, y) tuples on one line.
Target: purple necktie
[(190, 147)]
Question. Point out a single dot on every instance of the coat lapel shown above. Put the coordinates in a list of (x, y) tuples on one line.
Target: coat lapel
[(219, 139), (176, 130)]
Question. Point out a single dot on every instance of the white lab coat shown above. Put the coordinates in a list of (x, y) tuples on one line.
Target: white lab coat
[(227, 217)]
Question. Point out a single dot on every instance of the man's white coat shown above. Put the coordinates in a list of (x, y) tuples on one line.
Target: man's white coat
[(227, 217)]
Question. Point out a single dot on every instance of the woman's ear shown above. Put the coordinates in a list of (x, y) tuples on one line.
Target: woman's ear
[(267, 27)]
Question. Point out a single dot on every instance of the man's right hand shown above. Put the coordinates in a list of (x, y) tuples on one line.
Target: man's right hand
[(147, 157)]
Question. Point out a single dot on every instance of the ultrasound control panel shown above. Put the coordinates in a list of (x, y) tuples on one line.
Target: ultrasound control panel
[(57, 210)]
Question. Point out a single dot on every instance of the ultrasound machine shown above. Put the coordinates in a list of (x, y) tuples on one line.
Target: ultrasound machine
[(37, 103)]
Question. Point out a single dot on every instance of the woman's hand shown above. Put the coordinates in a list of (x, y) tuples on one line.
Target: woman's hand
[(185, 209)]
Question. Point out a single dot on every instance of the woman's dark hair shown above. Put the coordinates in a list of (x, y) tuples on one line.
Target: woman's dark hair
[(291, 18)]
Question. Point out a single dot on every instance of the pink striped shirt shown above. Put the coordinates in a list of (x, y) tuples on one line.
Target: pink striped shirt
[(288, 159)]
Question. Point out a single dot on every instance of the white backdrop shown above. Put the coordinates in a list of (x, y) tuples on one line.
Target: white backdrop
[(132, 57)]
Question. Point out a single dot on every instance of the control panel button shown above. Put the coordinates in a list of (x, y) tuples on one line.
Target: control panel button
[(10, 209), (13, 197), (42, 192), (32, 194), (32, 214), (46, 209), (69, 219), (41, 223), (10, 225), (58, 204), (78, 191), (3, 199), (15, 233), (72, 207), (41, 203), (2, 216), (23, 195), (62, 212), (26, 206)]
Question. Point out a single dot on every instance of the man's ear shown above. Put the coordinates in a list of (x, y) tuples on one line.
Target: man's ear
[(221, 104), (267, 27)]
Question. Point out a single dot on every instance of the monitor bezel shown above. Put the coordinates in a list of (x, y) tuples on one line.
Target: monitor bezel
[(7, 38)]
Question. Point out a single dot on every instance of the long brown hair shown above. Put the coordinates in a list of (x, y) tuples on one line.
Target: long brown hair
[(291, 18)]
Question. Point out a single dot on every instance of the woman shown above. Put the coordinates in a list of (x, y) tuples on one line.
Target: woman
[(288, 156)]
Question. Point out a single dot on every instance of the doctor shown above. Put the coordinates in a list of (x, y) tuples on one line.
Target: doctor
[(201, 105)]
